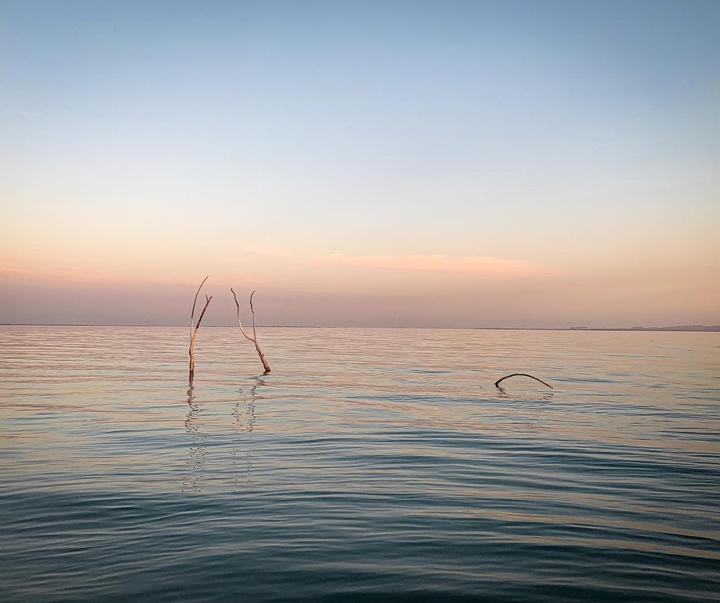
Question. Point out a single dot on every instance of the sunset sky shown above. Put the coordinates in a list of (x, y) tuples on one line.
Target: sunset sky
[(447, 163)]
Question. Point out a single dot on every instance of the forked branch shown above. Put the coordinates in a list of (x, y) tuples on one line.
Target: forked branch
[(194, 330), (253, 339), (497, 383)]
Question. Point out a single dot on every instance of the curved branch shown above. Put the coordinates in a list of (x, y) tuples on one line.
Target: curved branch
[(497, 383), (266, 366), (237, 305)]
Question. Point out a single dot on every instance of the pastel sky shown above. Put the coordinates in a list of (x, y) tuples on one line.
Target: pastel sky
[(449, 163)]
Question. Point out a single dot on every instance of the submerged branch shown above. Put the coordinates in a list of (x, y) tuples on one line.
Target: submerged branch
[(497, 383), (266, 366)]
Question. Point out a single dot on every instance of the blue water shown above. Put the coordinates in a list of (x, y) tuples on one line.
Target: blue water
[(369, 465)]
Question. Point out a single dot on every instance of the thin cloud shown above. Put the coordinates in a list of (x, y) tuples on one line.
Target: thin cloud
[(481, 265), (478, 265), (61, 273), (10, 270)]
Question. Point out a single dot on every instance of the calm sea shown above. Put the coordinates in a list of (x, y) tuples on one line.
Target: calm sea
[(370, 465)]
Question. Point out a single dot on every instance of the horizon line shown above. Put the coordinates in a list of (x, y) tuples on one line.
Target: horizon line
[(698, 328)]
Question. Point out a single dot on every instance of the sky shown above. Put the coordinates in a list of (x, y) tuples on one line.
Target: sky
[(537, 163)]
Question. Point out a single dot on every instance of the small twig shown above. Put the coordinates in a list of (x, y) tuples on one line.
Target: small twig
[(266, 366), (497, 383)]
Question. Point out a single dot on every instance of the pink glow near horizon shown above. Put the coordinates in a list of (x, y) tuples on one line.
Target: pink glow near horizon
[(373, 293)]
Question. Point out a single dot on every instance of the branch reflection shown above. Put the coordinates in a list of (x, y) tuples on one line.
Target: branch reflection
[(502, 393), (243, 424), (197, 452), (229, 473)]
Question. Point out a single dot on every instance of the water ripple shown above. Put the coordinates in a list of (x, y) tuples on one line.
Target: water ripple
[(367, 466)]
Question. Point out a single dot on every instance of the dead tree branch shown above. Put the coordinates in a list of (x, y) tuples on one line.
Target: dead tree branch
[(253, 339), (194, 330), (497, 383)]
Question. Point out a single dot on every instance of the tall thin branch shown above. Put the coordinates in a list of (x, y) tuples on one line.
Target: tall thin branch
[(194, 330), (266, 366), (497, 383)]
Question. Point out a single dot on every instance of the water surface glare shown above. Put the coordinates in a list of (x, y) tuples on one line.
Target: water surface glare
[(370, 465)]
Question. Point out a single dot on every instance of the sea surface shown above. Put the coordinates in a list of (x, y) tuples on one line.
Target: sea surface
[(369, 465)]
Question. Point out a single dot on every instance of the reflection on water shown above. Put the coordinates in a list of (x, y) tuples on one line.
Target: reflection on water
[(197, 451), (541, 396), (381, 463), (241, 421)]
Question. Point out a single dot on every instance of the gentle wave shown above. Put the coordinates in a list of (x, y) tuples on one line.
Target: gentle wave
[(369, 465)]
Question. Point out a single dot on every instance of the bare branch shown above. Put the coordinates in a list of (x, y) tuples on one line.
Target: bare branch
[(237, 305), (192, 340), (497, 383), (192, 314), (197, 326), (194, 330), (266, 366)]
